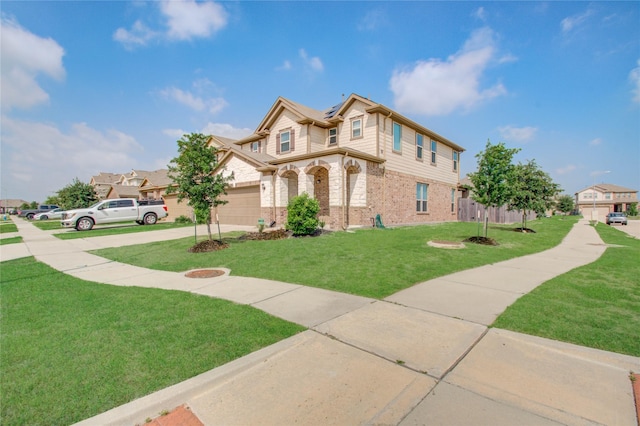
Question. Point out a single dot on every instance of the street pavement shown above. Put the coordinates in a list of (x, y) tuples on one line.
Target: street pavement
[(424, 355)]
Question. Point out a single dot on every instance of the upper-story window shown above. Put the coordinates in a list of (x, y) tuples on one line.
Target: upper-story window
[(455, 161), (419, 146), (255, 146), (356, 128), (285, 141), (333, 136), (434, 150), (397, 137)]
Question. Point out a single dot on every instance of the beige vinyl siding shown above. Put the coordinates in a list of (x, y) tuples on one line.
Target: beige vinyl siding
[(406, 162), (287, 120), (319, 138), (367, 143)]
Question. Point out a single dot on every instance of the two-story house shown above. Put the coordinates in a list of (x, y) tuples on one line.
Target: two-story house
[(598, 200), (358, 159)]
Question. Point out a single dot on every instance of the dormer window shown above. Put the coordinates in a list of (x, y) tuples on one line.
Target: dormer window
[(255, 146)]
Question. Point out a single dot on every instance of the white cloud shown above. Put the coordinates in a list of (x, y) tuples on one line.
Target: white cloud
[(566, 169), (571, 23), (312, 62), (212, 105), (595, 142), (372, 20), (226, 130), (139, 35), (185, 20), (189, 19), (634, 78), (25, 56), (174, 133), (286, 66), (480, 13), (436, 87), (38, 159), (517, 134)]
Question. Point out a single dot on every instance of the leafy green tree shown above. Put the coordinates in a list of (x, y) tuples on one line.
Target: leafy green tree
[(195, 179), (565, 204), (492, 182), (76, 195), (302, 215), (33, 205), (531, 190), (633, 209), (52, 199)]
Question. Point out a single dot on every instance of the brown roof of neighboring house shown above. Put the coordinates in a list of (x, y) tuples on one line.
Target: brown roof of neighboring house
[(106, 177), (607, 187), (12, 202), (124, 191)]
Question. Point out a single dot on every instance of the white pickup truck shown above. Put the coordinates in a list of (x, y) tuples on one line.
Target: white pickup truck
[(113, 211)]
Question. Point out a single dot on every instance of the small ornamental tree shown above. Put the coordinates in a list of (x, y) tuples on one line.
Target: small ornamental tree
[(633, 209), (196, 177), (302, 215), (76, 195), (531, 190), (492, 182), (565, 204)]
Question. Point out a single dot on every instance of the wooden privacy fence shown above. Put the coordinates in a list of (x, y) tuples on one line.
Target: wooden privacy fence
[(468, 212)]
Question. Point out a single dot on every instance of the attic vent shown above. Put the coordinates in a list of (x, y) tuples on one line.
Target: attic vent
[(332, 111)]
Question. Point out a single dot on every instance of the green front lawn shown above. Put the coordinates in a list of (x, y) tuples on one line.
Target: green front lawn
[(368, 262), (11, 240), (120, 228), (71, 349), (596, 305), (7, 227)]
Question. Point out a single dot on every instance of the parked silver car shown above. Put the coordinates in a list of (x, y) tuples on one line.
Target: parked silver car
[(616, 217)]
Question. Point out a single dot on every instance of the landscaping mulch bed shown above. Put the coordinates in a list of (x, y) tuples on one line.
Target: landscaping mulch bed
[(208, 246), (277, 234), (482, 240), (525, 230)]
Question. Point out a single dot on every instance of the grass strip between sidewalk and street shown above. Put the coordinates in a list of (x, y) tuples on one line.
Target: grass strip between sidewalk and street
[(103, 230), (7, 227), (71, 349), (10, 240), (368, 262), (596, 305)]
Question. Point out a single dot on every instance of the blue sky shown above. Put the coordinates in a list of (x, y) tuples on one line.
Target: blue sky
[(111, 85)]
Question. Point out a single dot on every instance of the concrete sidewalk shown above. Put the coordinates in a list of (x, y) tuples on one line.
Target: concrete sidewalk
[(422, 356)]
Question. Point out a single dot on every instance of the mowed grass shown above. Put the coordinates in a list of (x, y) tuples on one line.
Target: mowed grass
[(10, 240), (117, 229), (7, 227), (369, 262), (71, 349), (596, 305)]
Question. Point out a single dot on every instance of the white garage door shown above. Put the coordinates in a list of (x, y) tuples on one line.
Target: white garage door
[(243, 207)]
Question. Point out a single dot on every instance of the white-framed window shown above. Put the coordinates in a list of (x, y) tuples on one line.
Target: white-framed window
[(419, 146), (397, 137), (333, 136), (434, 151), (455, 161), (285, 141), (421, 197), (453, 200), (255, 146), (356, 128)]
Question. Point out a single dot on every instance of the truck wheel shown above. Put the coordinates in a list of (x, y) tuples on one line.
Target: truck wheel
[(84, 224), (150, 219), (30, 216)]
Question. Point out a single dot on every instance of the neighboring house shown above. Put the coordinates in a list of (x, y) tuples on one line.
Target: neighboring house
[(7, 204), (123, 191), (102, 183), (358, 159), (598, 200)]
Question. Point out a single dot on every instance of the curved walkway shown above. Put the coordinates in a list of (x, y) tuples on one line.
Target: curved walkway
[(422, 356)]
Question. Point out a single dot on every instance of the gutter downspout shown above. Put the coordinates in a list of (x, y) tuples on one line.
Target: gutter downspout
[(344, 192)]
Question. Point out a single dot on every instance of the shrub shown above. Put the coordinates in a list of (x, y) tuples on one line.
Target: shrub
[(183, 219), (302, 218)]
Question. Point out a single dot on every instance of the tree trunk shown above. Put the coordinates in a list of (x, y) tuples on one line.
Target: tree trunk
[(486, 221)]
